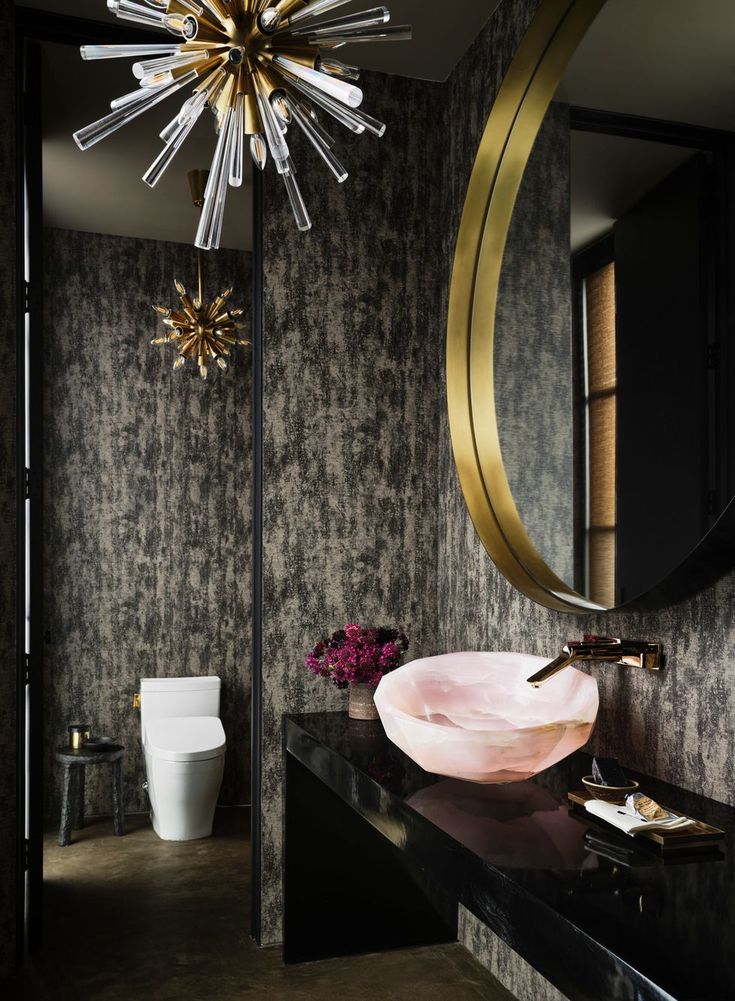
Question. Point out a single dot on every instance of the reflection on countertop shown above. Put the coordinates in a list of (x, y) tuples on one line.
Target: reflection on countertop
[(520, 825)]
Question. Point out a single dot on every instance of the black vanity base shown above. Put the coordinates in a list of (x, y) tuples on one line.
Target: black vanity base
[(349, 889), (379, 855)]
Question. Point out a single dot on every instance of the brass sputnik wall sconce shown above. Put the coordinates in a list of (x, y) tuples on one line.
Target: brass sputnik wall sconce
[(200, 330)]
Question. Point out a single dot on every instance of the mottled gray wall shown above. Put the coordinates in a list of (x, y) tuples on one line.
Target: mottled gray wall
[(147, 501), (8, 555), (523, 982), (354, 321), (533, 349)]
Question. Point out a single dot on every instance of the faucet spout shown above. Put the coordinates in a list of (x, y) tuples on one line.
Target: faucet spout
[(626, 653)]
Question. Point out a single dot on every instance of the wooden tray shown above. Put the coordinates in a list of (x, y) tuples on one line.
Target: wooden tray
[(701, 837)]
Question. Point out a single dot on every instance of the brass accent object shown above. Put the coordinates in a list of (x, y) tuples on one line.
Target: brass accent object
[(200, 330), (78, 733), (650, 809), (624, 653), (136, 700), (197, 184), (259, 66), (510, 133)]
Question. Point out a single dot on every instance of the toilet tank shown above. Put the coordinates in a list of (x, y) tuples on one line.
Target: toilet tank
[(162, 698)]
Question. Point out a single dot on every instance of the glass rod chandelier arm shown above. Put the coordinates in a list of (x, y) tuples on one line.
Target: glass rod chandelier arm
[(314, 9), (338, 111), (92, 52), (298, 206), (388, 33), (306, 125), (128, 10), (238, 147), (134, 97), (274, 136), (210, 86), (357, 120), (105, 127), (342, 91), (216, 189), (372, 18), (223, 187), (143, 69), (193, 106), (157, 169), (308, 110), (170, 130)]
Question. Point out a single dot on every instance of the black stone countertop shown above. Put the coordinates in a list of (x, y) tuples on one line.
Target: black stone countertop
[(601, 918)]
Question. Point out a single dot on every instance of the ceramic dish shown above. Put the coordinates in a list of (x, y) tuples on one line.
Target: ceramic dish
[(609, 794), (98, 744)]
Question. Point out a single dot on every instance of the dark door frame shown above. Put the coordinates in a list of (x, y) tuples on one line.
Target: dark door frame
[(256, 715), (32, 27)]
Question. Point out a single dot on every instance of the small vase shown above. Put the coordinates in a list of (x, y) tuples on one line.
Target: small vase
[(362, 703)]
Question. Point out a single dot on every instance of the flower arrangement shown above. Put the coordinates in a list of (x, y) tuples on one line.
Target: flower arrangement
[(358, 655)]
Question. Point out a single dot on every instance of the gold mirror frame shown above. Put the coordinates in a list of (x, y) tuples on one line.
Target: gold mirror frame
[(515, 119)]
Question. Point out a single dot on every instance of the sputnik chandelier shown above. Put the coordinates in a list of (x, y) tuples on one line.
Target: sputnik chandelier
[(200, 330), (259, 66)]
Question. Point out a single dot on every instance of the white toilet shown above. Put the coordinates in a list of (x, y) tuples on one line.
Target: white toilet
[(184, 746)]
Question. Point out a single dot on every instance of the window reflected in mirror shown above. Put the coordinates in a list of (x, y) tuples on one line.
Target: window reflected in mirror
[(596, 293)]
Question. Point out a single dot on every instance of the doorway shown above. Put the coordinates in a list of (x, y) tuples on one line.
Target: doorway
[(140, 514)]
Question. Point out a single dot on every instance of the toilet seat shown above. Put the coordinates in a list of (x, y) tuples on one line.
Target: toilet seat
[(185, 738)]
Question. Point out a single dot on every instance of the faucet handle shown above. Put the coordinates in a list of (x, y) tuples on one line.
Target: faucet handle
[(631, 653), (590, 641)]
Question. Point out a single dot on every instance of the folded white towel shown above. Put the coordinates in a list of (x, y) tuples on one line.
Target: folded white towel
[(631, 823)]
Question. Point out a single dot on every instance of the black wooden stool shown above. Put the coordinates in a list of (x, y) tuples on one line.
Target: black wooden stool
[(72, 807)]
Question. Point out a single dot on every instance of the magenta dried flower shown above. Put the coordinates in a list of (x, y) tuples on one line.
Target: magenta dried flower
[(357, 654)]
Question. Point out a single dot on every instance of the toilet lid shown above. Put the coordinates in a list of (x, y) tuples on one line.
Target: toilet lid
[(185, 738)]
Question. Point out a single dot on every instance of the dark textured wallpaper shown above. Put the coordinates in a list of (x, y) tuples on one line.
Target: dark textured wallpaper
[(354, 321), (147, 501), (8, 555)]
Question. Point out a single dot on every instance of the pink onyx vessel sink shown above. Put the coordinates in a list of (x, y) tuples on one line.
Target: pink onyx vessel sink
[(474, 716)]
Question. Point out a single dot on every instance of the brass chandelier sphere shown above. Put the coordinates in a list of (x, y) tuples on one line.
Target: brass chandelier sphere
[(199, 330)]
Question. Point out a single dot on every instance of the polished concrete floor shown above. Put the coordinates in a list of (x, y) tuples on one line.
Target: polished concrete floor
[(139, 919)]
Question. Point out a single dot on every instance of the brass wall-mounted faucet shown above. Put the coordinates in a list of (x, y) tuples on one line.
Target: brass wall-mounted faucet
[(627, 653)]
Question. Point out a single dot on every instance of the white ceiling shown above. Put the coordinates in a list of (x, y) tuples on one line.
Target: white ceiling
[(101, 190)]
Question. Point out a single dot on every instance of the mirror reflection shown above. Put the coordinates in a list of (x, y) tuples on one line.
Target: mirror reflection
[(611, 347)]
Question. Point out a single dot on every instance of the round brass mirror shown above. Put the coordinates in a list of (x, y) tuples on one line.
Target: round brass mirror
[(589, 365)]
